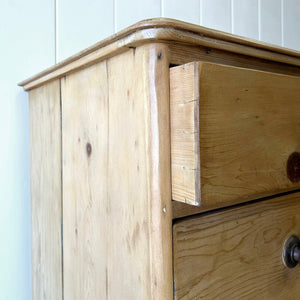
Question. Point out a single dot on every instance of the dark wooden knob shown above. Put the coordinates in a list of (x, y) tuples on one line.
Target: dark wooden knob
[(293, 167), (291, 252)]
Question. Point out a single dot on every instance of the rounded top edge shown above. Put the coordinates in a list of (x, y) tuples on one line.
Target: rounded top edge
[(164, 25)]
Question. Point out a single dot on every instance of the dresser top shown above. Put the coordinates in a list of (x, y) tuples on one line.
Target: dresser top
[(165, 31)]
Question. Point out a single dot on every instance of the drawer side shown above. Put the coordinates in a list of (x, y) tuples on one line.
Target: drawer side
[(184, 119)]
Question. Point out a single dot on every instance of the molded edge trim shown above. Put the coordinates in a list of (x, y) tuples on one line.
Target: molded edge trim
[(164, 30)]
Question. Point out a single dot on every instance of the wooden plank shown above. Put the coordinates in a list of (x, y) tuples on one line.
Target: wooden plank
[(45, 141), (159, 170), (117, 210), (182, 54), (184, 116), (237, 253), (167, 31), (139, 208), (85, 139), (128, 246), (249, 127)]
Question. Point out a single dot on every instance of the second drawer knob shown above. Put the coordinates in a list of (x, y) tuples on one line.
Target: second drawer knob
[(291, 252)]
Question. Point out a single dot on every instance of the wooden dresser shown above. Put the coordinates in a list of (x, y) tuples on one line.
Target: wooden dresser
[(165, 163)]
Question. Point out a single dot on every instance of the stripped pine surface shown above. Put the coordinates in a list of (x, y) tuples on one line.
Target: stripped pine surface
[(45, 169), (85, 138), (237, 253), (234, 134)]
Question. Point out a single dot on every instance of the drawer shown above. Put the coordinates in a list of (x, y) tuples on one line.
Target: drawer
[(235, 134), (237, 253)]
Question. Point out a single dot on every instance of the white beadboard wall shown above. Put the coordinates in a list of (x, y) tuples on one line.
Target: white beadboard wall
[(87, 22), (37, 33), (27, 46)]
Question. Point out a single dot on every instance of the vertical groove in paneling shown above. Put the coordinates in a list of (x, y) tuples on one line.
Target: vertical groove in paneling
[(231, 16), (162, 12), (107, 272), (259, 18), (61, 194), (115, 16), (282, 22), (56, 31), (201, 12)]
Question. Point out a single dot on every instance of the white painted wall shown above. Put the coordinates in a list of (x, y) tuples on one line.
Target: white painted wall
[(36, 33)]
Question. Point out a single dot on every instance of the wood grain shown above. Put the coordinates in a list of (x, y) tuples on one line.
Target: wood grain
[(237, 253), (184, 116), (139, 245), (168, 31), (249, 126), (45, 144), (116, 178), (85, 140), (159, 170), (182, 54), (129, 242), (116, 185)]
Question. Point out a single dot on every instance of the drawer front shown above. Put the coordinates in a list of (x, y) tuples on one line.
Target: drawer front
[(237, 253), (235, 134)]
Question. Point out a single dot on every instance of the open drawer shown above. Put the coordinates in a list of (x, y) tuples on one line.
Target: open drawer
[(237, 253), (235, 134)]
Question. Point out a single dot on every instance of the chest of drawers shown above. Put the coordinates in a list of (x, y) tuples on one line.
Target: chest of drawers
[(165, 163)]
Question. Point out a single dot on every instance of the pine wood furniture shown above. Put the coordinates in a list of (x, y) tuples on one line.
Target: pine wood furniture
[(165, 164)]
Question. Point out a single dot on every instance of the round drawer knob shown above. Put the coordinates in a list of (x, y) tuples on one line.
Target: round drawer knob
[(291, 252), (293, 167)]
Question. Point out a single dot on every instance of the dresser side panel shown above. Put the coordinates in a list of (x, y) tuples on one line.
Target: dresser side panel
[(139, 212), (84, 135), (45, 143)]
